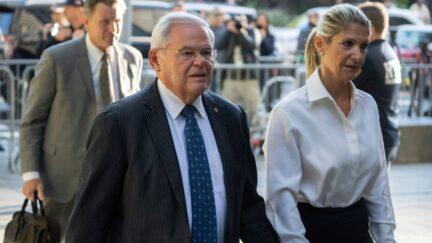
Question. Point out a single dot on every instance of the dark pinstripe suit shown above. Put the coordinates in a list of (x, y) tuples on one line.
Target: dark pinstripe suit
[(131, 188)]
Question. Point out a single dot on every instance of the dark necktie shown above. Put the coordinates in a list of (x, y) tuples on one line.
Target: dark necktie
[(105, 82), (204, 226)]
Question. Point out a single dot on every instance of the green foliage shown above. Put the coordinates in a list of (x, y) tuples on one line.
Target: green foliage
[(252, 3), (402, 3)]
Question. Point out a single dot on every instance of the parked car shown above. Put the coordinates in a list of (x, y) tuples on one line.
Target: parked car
[(144, 17), (232, 10), (286, 41), (22, 22), (409, 39), (397, 16), (2, 41)]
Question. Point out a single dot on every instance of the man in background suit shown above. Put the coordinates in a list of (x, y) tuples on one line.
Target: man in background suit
[(65, 96), (136, 183)]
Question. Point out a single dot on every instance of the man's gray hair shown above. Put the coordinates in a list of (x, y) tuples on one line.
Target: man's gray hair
[(160, 37)]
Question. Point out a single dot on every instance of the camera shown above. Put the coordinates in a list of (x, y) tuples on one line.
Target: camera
[(238, 25), (55, 29)]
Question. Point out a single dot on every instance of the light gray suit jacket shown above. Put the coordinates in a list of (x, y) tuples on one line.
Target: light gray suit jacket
[(60, 108)]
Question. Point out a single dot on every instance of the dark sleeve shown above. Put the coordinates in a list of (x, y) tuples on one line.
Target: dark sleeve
[(267, 45), (302, 39), (366, 74), (246, 40), (101, 182), (50, 42), (221, 42), (254, 224)]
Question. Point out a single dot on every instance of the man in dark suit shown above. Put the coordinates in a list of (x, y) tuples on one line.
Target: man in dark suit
[(64, 98), (137, 183)]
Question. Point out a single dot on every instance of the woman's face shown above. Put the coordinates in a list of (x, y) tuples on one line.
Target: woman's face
[(343, 56), (262, 21)]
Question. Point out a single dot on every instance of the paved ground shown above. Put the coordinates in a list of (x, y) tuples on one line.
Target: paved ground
[(411, 186)]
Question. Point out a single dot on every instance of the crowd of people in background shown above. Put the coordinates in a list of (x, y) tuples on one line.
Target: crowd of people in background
[(67, 23)]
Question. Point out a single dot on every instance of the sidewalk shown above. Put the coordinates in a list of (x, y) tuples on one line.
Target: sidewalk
[(411, 187), (11, 198)]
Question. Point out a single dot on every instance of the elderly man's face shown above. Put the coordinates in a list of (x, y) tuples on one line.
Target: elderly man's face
[(185, 65)]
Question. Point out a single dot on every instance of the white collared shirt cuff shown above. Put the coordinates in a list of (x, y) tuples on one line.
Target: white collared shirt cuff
[(30, 175), (382, 233)]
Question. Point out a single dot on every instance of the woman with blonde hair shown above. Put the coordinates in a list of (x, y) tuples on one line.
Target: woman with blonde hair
[(326, 167)]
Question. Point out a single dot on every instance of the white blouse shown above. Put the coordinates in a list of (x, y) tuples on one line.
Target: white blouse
[(315, 154)]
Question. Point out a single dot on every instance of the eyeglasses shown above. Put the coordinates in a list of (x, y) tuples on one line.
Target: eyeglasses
[(187, 54)]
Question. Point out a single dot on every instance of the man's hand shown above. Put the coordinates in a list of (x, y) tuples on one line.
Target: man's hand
[(30, 187), (78, 33), (63, 34), (231, 26)]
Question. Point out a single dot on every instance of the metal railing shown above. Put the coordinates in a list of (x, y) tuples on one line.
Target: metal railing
[(15, 76), (6, 111), (416, 91)]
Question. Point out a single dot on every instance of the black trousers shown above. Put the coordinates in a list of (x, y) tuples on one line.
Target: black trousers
[(336, 225)]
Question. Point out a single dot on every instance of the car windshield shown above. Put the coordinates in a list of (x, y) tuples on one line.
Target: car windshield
[(396, 20), (5, 21), (144, 20), (411, 39)]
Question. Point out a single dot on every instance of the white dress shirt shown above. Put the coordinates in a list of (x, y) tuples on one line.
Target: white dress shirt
[(317, 155), (95, 60), (173, 107)]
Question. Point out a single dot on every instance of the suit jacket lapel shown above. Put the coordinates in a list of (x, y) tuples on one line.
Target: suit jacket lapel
[(160, 133), (218, 123), (125, 72), (84, 70)]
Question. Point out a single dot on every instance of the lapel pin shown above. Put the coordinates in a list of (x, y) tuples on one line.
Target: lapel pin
[(216, 110)]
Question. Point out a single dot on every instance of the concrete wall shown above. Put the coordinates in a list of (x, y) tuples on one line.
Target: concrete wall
[(416, 141)]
